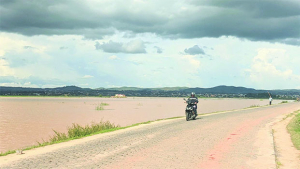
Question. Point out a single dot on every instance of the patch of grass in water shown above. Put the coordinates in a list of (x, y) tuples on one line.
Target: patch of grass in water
[(104, 104), (101, 106)]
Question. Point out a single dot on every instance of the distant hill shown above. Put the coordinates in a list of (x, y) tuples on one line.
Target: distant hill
[(224, 90), (125, 88), (136, 88), (220, 91)]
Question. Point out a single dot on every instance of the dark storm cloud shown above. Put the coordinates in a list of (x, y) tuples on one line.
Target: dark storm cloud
[(134, 47), (292, 41), (258, 8), (260, 20), (195, 50)]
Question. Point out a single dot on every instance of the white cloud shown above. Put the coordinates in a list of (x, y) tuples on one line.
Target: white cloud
[(5, 70), (192, 60), (113, 57), (134, 46), (87, 76), (80, 63), (16, 84), (269, 69)]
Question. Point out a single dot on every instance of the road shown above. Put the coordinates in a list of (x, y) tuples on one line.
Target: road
[(237, 139)]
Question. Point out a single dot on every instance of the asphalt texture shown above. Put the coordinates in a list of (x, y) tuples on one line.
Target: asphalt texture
[(226, 140)]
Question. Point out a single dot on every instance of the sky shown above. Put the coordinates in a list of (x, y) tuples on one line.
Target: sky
[(143, 43)]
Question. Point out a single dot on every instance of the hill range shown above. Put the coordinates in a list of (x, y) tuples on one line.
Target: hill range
[(218, 91)]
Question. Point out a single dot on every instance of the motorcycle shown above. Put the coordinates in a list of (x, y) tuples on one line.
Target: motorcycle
[(190, 110)]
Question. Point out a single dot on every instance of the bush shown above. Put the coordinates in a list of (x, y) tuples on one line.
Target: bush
[(77, 131)]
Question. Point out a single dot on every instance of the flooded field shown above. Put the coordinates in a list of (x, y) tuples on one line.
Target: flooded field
[(24, 121)]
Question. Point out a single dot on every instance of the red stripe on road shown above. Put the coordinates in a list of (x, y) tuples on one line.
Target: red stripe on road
[(215, 155)]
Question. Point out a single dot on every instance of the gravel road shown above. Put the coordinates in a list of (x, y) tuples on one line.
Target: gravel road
[(237, 139)]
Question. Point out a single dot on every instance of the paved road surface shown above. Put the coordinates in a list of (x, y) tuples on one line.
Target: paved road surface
[(238, 139)]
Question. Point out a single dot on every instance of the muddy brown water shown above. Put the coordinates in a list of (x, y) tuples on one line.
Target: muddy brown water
[(24, 121)]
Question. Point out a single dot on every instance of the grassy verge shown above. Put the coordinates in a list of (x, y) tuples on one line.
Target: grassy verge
[(294, 130), (74, 132)]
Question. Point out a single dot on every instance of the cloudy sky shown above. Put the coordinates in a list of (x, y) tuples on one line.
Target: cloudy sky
[(143, 43)]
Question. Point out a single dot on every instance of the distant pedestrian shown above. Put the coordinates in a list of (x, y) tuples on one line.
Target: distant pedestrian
[(270, 99)]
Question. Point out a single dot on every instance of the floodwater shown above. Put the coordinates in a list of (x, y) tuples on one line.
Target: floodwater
[(24, 121)]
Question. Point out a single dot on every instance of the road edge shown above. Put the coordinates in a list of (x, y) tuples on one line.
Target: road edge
[(283, 157)]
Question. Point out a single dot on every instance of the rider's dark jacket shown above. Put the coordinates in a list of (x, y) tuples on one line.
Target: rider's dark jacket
[(193, 100)]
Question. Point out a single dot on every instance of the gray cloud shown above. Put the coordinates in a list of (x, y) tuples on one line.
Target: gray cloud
[(63, 47), (195, 50), (134, 46), (158, 49), (254, 20), (259, 8), (291, 41)]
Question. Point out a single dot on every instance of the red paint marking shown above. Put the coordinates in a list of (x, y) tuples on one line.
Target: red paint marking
[(211, 157), (225, 145)]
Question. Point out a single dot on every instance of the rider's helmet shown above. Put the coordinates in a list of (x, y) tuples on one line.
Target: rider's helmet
[(193, 94)]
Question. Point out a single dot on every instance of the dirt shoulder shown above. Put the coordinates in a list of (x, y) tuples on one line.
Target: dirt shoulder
[(287, 156)]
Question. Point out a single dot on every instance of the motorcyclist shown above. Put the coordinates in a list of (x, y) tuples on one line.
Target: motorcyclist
[(193, 100)]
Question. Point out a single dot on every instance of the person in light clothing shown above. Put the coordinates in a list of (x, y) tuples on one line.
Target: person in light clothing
[(270, 99)]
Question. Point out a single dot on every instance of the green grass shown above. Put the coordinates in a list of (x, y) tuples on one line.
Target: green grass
[(284, 102), (254, 105), (74, 132), (7, 152), (101, 106), (294, 130), (278, 164)]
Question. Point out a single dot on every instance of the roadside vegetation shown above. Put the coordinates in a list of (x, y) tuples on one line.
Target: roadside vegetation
[(76, 131), (284, 101), (254, 105), (294, 130)]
